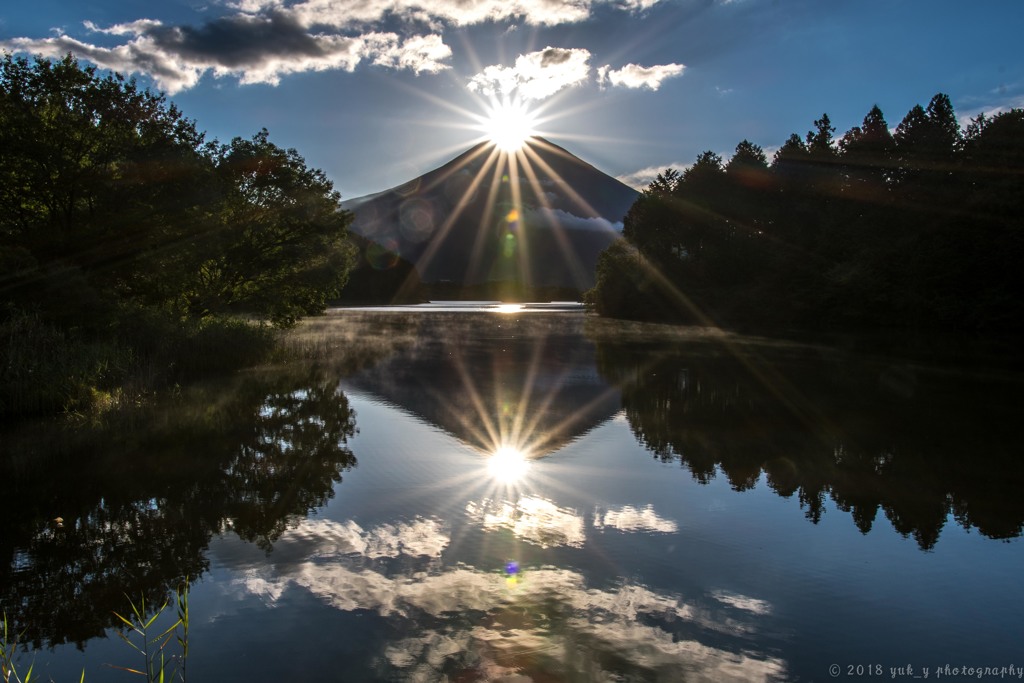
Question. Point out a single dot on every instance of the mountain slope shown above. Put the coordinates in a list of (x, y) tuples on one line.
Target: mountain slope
[(538, 217)]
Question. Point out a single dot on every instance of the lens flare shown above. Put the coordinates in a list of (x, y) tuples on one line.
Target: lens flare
[(508, 465)]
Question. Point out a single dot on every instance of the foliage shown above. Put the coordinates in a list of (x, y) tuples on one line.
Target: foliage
[(279, 248), (114, 210), (919, 229)]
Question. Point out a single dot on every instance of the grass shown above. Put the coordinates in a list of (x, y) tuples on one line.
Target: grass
[(48, 370), (44, 369)]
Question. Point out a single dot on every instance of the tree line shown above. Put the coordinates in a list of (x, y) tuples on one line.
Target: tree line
[(916, 228), (127, 239)]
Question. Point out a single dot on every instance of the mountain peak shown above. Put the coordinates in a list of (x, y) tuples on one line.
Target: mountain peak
[(539, 216)]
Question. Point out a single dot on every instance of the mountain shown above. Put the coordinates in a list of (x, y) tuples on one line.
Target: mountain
[(538, 217)]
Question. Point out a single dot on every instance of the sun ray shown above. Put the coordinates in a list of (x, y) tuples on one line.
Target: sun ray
[(578, 270), (523, 246), (435, 244), (563, 185), (529, 380), (468, 159), (492, 196)]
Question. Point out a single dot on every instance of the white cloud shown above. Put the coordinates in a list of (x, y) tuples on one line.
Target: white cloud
[(344, 13), (564, 219), (255, 6), (419, 538), (337, 53), (632, 624), (636, 76), (641, 178), (536, 75), (638, 5), (991, 109), (417, 54), (131, 28), (743, 602), (261, 41), (176, 59), (141, 55)]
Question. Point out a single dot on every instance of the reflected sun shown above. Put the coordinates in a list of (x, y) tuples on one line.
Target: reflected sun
[(508, 465), (508, 125)]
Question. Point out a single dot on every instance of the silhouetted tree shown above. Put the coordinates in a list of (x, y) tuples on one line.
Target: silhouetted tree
[(820, 141), (917, 229), (120, 227), (867, 152)]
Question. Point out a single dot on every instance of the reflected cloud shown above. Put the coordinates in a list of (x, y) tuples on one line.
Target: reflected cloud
[(748, 604), (629, 518), (325, 539), (550, 623), (531, 519)]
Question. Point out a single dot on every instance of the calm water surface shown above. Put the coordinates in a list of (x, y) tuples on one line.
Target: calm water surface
[(537, 495)]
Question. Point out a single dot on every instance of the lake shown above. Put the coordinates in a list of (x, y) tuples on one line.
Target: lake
[(474, 492)]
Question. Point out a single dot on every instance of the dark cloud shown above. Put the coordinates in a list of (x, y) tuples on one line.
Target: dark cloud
[(238, 41), (555, 55)]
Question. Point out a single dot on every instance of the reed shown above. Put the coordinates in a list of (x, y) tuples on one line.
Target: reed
[(141, 634)]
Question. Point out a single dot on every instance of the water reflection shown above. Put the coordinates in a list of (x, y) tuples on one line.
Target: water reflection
[(139, 507), (915, 444), (919, 445), (531, 519), (629, 518), (508, 465), (521, 382), (562, 552), (549, 623)]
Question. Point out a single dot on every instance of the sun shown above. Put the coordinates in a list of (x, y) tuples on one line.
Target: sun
[(509, 124)]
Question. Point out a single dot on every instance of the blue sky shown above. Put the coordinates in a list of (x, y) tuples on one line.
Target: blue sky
[(375, 92)]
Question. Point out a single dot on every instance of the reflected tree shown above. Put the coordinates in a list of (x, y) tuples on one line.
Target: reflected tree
[(918, 446), (295, 454), (134, 510)]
